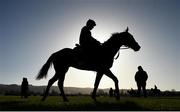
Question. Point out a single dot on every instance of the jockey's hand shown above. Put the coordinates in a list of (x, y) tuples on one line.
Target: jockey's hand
[(98, 42), (77, 45)]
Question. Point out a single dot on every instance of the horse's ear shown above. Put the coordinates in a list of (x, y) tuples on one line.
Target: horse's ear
[(127, 29)]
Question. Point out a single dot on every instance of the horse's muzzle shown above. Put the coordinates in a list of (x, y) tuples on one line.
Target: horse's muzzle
[(137, 48)]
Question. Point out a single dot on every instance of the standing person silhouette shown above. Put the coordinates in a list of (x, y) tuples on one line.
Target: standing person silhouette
[(89, 44), (141, 78), (111, 92), (24, 88), (155, 87)]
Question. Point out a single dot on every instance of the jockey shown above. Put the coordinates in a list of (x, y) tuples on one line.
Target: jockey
[(86, 40)]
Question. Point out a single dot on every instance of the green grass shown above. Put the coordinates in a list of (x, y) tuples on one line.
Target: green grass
[(86, 103)]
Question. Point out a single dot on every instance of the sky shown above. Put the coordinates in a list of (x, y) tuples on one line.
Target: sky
[(31, 30)]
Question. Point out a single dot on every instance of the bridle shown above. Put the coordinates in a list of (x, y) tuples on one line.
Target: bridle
[(123, 48)]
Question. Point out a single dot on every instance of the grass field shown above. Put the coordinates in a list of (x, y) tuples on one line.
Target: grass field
[(86, 103)]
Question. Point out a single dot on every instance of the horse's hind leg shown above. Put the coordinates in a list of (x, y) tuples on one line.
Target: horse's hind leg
[(61, 82), (60, 85), (50, 83)]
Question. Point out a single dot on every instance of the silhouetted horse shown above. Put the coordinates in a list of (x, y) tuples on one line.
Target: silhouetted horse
[(67, 57)]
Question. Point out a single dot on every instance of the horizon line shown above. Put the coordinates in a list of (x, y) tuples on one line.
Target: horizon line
[(91, 87)]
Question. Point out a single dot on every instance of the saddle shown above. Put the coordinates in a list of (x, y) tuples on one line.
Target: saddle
[(89, 55)]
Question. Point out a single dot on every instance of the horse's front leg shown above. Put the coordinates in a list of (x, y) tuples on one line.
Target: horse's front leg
[(114, 78), (96, 84)]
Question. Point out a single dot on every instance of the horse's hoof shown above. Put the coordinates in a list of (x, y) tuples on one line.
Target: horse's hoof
[(94, 98), (66, 100), (42, 99), (117, 98)]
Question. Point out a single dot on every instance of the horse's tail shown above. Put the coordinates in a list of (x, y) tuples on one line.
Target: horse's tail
[(43, 72)]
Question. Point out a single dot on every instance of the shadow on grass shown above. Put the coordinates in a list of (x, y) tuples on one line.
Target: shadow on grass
[(93, 106), (11, 105), (101, 106), (85, 103)]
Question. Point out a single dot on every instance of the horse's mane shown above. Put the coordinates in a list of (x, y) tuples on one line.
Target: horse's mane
[(112, 39)]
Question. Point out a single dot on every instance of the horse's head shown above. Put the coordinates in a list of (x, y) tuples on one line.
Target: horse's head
[(129, 41)]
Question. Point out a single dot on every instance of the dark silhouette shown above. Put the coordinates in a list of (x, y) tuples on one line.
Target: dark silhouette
[(88, 44), (86, 40), (24, 88), (156, 91), (132, 92), (111, 92), (67, 57), (141, 78), (155, 87)]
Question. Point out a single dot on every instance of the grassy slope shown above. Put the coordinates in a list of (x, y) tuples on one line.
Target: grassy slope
[(86, 103)]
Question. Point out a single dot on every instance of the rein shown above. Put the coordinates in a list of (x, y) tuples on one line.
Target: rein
[(119, 51)]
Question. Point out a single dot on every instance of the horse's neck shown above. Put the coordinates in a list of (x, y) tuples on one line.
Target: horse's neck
[(112, 49), (115, 50)]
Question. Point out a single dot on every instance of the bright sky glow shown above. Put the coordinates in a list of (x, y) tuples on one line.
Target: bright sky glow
[(30, 31)]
